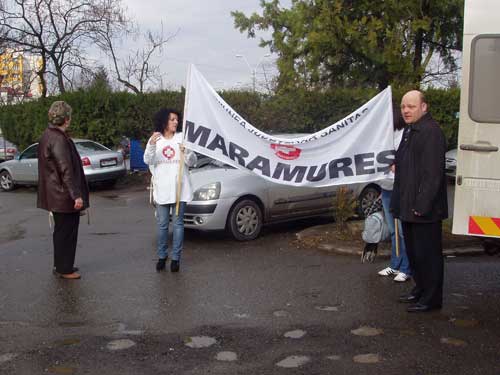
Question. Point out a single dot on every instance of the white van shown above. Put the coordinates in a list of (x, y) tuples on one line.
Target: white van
[(477, 192)]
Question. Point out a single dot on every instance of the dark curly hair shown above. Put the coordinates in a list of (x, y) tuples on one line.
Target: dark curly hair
[(160, 119)]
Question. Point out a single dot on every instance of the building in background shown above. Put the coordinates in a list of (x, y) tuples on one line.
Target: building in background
[(18, 78)]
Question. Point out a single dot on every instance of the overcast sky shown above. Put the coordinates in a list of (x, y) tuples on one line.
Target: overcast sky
[(206, 38)]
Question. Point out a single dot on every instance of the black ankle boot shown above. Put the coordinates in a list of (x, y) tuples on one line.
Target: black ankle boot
[(160, 265), (174, 266)]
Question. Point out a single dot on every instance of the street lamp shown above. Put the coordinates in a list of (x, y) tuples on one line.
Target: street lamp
[(253, 70)]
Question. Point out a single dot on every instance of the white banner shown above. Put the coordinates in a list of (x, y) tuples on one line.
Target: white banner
[(358, 148)]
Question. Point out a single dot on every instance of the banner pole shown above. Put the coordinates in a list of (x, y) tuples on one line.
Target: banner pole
[(181, 164)]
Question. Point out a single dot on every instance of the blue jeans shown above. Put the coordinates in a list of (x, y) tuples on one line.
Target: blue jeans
[(400, 263), (162, 219)]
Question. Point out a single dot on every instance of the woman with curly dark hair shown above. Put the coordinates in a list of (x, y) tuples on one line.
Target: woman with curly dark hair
[(163, 155)]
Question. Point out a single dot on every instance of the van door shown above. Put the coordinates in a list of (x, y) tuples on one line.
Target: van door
[(477, 191)]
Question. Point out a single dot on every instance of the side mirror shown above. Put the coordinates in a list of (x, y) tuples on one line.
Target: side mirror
[(17, 156)]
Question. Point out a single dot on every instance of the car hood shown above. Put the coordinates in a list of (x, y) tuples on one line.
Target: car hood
[(233, 181), (8, 163)]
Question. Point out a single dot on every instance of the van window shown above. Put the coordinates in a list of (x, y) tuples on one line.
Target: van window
[(484, 103)]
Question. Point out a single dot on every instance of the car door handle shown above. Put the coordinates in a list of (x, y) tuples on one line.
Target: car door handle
[(481, 147)]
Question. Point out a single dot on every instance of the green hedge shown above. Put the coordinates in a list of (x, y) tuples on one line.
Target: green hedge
[(106, 116)]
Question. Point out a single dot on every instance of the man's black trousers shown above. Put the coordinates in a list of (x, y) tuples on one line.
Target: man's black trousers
[(425, 252), (65, 237)]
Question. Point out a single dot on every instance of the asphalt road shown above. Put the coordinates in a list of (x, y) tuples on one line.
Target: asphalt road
[(264, 307)]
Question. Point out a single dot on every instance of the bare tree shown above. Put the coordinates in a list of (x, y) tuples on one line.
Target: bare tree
[(59, 31), (135, 70)]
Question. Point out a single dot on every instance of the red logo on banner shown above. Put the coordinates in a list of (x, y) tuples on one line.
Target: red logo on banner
[(287, 152), (168, 152)]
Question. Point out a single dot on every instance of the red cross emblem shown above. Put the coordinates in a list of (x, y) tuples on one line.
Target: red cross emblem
[(168, 152)]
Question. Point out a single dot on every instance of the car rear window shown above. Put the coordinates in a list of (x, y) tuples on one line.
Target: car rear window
[(88, 146)]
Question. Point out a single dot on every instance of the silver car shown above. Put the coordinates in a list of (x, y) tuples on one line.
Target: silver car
[(241, 202), (100, 164)]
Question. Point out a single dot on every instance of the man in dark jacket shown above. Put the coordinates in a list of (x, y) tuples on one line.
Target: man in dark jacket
[(62, 187), (419, 200)]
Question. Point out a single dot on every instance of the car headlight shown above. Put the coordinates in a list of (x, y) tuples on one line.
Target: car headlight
[(208, 192)]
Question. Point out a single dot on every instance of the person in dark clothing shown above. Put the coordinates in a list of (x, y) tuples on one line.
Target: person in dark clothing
[(419, 200), (62, 187)]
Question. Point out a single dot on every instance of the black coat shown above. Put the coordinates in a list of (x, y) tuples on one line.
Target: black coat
[(61, 179), (420, 181)]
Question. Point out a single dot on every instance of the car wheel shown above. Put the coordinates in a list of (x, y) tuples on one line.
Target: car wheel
[(6, 182), (245, 220), (366, 199)]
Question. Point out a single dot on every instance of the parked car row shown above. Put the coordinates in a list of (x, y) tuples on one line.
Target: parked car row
[(225, 198), (100, 164)]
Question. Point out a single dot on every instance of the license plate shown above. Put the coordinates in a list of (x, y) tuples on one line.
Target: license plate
[(108, 162)]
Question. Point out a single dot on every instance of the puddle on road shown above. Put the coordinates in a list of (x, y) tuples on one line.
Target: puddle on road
[(7, 357), (453, 342), (226, 356), (296, 334), (120, 344), (293, 361), (197, 342), (367, 358), (281, 314), (367, 331), (242, 316)]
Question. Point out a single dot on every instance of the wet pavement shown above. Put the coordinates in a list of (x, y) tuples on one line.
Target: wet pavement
[(263, 307)]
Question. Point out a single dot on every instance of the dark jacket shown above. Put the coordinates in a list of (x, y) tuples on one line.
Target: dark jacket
[(420, 181), (60, 173)]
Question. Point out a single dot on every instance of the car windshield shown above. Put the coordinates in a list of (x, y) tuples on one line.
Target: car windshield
[(89, 146)]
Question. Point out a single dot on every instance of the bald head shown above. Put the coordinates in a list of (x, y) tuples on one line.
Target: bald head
[(413, 106)]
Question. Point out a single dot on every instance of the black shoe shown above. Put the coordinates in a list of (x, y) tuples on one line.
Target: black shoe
[(409, 298), (160, 265), (418, 307), (54, 271), (174, 266)]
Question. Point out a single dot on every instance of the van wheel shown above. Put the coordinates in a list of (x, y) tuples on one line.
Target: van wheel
[(245, 220), (365, 200), (6, 182)]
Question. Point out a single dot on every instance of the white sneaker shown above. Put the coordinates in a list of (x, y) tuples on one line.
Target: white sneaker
[(388, 272), (401, 277)]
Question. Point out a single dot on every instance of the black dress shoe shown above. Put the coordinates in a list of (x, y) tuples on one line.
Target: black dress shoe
[(418, 307), (160, 265), (174, 266), (75, 269), (409, 298)]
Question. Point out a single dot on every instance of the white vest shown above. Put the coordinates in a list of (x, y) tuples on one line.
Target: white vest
[(163, 159)]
